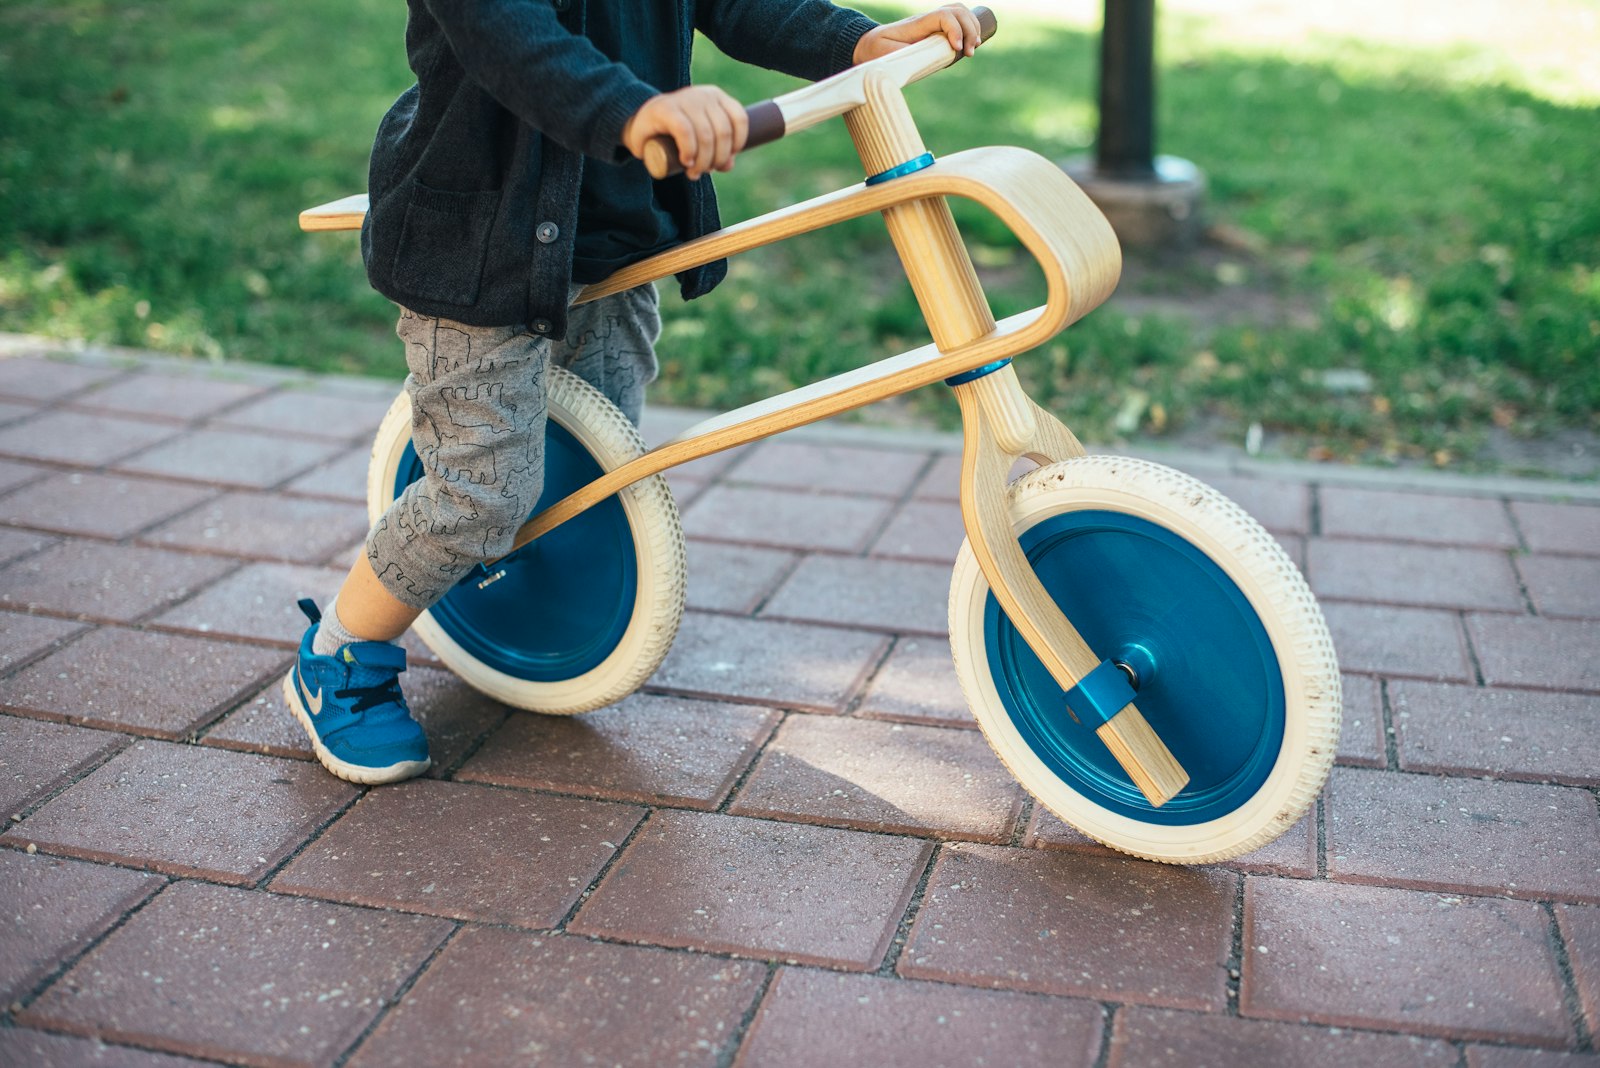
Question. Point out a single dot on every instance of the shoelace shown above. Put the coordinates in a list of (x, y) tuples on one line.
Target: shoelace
[(386, 692)]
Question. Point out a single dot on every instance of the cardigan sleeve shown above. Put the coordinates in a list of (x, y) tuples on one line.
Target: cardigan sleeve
[(810, 39), (555, 80)]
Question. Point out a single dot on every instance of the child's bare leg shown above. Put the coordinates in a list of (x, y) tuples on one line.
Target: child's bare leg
[(369, 611)]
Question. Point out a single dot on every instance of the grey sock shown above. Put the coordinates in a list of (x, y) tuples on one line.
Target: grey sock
[(332, 634)]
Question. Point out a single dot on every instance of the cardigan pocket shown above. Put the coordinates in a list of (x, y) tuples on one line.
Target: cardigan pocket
[(443, 244)]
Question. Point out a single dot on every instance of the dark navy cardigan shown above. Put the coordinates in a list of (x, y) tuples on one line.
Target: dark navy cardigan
[(475, 170)]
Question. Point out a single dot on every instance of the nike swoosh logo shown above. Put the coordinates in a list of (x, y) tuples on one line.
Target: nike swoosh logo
[(313, 704)]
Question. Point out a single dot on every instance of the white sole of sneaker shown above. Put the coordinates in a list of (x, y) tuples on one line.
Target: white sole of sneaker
[(405, 769)]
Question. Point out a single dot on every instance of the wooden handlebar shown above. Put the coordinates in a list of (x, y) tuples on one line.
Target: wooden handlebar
[(772, 119)]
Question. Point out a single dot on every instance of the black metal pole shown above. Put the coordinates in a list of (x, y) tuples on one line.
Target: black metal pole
[(1125, 147)]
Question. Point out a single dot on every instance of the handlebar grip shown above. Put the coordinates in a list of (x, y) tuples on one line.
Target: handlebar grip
[(766, 125), (767, 120)]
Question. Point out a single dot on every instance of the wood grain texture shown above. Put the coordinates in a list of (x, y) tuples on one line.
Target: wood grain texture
[(1057, 223), (1029, 606)]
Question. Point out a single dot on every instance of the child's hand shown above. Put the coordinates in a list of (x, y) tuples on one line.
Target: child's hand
[(955, 21), (708, 126)]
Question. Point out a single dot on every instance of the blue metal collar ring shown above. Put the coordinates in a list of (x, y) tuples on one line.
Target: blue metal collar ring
[(976, 373), (911, 166)]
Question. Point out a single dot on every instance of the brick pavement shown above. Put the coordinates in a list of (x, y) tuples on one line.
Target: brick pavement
[(791, 848)]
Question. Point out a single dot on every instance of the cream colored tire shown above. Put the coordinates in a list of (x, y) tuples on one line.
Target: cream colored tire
[(1281, 787), (658, 558)]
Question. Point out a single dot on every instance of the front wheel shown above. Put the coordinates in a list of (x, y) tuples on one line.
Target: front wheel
[(581, 617), (1238, 674)]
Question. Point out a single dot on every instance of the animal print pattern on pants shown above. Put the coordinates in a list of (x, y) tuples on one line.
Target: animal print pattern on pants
[(478, 409)]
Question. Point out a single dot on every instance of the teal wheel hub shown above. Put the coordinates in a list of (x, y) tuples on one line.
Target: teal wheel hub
[(559, 606), (1210, 683)]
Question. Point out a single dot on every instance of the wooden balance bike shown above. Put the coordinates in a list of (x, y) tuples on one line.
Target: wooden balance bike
[(1140, 653)]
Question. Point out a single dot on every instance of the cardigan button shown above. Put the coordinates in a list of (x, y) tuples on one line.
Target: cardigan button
[(542, 326), (547, 232)]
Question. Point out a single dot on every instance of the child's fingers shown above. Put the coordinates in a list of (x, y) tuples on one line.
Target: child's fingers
[(961, 28)]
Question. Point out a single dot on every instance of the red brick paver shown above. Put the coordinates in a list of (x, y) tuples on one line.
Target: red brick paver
[(186, 810), (497, 997), (104, 506), (785, 519), (164, 685), (791, 847), (918, 684), (835, 468), (650, 749), (266, 527), (1433, 576), (1580, 928), (37, 757), (52, 908), (491, 855), (237, 975), (1464, 835), (1559, 528), (884, 776), (1416, 517), (1377, 957), (915, 1025), (232, 458), (768, 662), (91, 580), (1510, 734), (38, 1049), (1547, 654), (1562, 585), (1158, 1038), (756, 888), (893, 595), (1064, 923)]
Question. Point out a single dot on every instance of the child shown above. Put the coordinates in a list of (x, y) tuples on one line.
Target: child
[(502, 182)]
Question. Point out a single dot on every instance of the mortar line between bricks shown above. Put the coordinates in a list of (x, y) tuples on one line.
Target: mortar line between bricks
[(743, 777), (470, 750), (1322, 836), (1108, 1023), (124, 1043), (730, 1053), (1019, 828), (1233, 976), (1465, 633), (1314, 510), (117, 1043), (400, 992), (202, 587), (306, 843), (605, 869), (1391, 738), (70, 960), (1571, 1001), (906, 496), (1516, 527), (53, 647), (858, 696), (901, 938), (14, 819), (132, 538), (1512, 556)]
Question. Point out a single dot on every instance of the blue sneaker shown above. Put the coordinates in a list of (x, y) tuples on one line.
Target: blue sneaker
[(350, 704)]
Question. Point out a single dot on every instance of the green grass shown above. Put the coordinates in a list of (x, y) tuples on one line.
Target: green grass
[(1424, 218)]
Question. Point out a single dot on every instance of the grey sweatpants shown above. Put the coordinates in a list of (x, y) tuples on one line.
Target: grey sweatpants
[(478, 406)]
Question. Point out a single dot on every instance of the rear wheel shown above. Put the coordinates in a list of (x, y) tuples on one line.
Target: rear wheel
[(581, 617)]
